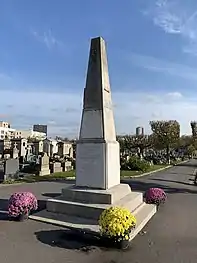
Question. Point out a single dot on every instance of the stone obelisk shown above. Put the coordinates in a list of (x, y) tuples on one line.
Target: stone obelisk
[(98, 160), (98, 154)]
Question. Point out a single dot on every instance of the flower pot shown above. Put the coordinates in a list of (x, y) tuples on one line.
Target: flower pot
[(22, 217), (123, 244), (111, 243)]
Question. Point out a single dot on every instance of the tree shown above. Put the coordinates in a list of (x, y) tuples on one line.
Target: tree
[(194, 128), (130, 142), (188, 143), (166, 134), (121, 141), (190, 150), (141, 142)]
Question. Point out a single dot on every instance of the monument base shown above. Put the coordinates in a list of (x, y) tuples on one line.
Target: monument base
[(97, 164), (80, 208)]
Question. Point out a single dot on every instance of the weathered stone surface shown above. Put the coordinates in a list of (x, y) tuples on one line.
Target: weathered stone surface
[(97, 117)]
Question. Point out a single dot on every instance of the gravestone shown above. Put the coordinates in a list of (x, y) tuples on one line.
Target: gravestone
[(98, 158), (67, 166), (44, 165), (29, 154), (9, 170), (56, 167), (15, 152), (2, 174)]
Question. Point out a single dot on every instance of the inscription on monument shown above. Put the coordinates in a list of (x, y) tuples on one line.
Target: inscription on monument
[(91, 153), (90, 165)]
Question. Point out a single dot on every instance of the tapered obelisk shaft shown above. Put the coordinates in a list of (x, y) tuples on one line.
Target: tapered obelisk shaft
[(97, 162), (97, 117)]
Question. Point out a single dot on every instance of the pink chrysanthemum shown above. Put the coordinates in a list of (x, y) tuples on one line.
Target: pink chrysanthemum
[(21, 202), (155, 196)]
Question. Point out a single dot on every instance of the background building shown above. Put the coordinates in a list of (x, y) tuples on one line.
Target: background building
[(194, 128), (40, 128), (6, 132), (4, 124), (30, 134), (139, 131)]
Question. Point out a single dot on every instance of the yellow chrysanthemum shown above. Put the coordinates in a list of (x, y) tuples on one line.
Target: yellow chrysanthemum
[(116, 222)]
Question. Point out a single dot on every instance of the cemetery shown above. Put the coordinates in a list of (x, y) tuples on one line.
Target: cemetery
[(99, 203)]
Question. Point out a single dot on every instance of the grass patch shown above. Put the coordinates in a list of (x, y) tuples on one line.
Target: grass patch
[(64, 175), (134, 173), (37, 178)]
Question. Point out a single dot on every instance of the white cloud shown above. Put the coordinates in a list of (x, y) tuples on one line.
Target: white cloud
[(174, 95), (176, 17), (48, 39), (167, 67), (132, 110)]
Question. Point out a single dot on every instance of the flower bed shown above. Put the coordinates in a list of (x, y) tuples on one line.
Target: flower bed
[(155, 196), (22, 203), (116, 224)]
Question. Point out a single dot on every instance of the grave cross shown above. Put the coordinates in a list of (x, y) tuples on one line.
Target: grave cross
[(15, 145)]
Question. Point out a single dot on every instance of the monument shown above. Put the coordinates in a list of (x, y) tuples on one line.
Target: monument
[(97, 160), (98, 154)]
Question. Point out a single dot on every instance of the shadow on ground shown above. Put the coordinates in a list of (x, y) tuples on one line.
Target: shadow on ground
[(173, 181), (187, 164), (56, 180), (75, 240), (191, 174), (51, 195), (143, 186)]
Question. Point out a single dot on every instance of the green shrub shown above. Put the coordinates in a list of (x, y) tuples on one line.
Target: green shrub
[(135, 164)]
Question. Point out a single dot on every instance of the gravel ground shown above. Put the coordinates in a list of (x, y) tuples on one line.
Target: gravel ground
[(171, 235)]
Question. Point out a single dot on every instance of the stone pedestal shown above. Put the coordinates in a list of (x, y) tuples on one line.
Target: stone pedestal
[(98, 165)]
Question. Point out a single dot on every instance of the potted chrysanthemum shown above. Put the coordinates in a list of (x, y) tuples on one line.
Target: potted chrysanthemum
[(21, 204), (155, 196), (116, 224)]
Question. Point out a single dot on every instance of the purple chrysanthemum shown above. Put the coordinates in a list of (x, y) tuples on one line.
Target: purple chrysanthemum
[(155, 196), (21, 202)]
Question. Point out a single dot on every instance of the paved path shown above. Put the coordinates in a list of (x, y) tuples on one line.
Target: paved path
[(171, 236)]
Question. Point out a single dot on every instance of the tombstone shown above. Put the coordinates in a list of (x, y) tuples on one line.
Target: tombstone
[(71, 152), (56, 167), (15, 152), (2, 175), (29, 153), (10, 170), (44, 165), (68, 166), (98, 157)]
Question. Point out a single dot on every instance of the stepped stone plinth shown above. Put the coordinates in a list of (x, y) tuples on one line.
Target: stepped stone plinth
[(97, 160)]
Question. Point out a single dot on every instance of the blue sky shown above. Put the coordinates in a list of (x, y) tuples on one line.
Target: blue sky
[(152, 56)]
